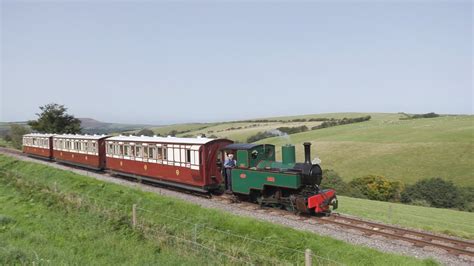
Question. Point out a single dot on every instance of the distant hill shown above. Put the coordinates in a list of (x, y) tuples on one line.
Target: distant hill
[(92, 126), (89, 126), (92, 123)]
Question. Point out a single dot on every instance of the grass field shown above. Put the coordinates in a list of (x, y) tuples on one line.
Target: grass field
[(406, 150), (445, 221), (52, 216)]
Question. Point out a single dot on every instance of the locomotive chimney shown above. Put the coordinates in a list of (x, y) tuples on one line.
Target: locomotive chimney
[(307, 152)]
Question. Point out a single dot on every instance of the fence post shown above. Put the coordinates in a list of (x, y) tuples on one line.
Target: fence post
[(134, 215), (390, 215), (308, 258), (195, 233)]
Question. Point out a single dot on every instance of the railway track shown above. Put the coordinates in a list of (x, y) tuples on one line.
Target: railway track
[(453, 246), (420, 239)]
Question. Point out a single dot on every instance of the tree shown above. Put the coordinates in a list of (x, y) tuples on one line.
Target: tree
[(436, 191), (146, 132), (16, 135), (173, 133), (54, 119)]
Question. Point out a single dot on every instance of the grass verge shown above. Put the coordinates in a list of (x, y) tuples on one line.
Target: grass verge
[(445, 221)]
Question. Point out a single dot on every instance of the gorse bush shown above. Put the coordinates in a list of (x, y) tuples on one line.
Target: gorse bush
[(377, 187)]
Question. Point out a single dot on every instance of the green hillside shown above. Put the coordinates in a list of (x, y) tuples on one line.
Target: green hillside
[(405, 150)]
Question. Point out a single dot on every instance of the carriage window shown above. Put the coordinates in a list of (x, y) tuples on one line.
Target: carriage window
[(169, 152), (145, 152), (127, 150), (188, 156), (138, 151), (111, 149), (94, 147), (151, 152), (159, 156), (118, 149)]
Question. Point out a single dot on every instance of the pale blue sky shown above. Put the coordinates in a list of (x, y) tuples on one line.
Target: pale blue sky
[(161, 62)]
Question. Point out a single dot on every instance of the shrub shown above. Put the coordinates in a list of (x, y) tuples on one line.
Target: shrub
[(16, 135), (261, 135), (376, 187), (336, 122), (436, 191), (416, 116), (146, 132), (331, 179), (318, 119), (293, 130)]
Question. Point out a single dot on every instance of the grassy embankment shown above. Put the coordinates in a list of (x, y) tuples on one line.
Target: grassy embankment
[(53, 216), (445, 221)]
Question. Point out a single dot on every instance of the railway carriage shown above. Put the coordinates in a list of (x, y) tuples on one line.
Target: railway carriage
[(38, 145), (81, 150), (188, 163)]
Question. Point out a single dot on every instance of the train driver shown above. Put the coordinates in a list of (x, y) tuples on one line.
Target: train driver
[(229, 163)]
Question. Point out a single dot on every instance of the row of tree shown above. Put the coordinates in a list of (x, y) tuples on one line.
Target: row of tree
[(337, 122), (417, 116)]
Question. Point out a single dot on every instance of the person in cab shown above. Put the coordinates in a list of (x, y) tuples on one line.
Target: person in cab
[(229, 163)]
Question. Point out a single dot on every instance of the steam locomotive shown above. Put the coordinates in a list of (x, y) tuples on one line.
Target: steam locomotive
[(288, 184)]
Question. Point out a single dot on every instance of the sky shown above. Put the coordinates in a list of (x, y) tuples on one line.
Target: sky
[(194, 61)]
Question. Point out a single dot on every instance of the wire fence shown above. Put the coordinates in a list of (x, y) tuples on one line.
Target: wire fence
[(201, 239)]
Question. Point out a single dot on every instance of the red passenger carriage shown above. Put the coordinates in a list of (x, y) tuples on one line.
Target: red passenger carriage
[(81, 150), (38, 145), (183, 162)]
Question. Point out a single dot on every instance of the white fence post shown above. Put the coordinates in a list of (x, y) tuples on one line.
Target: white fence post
[(308, 258), (134, 215)]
